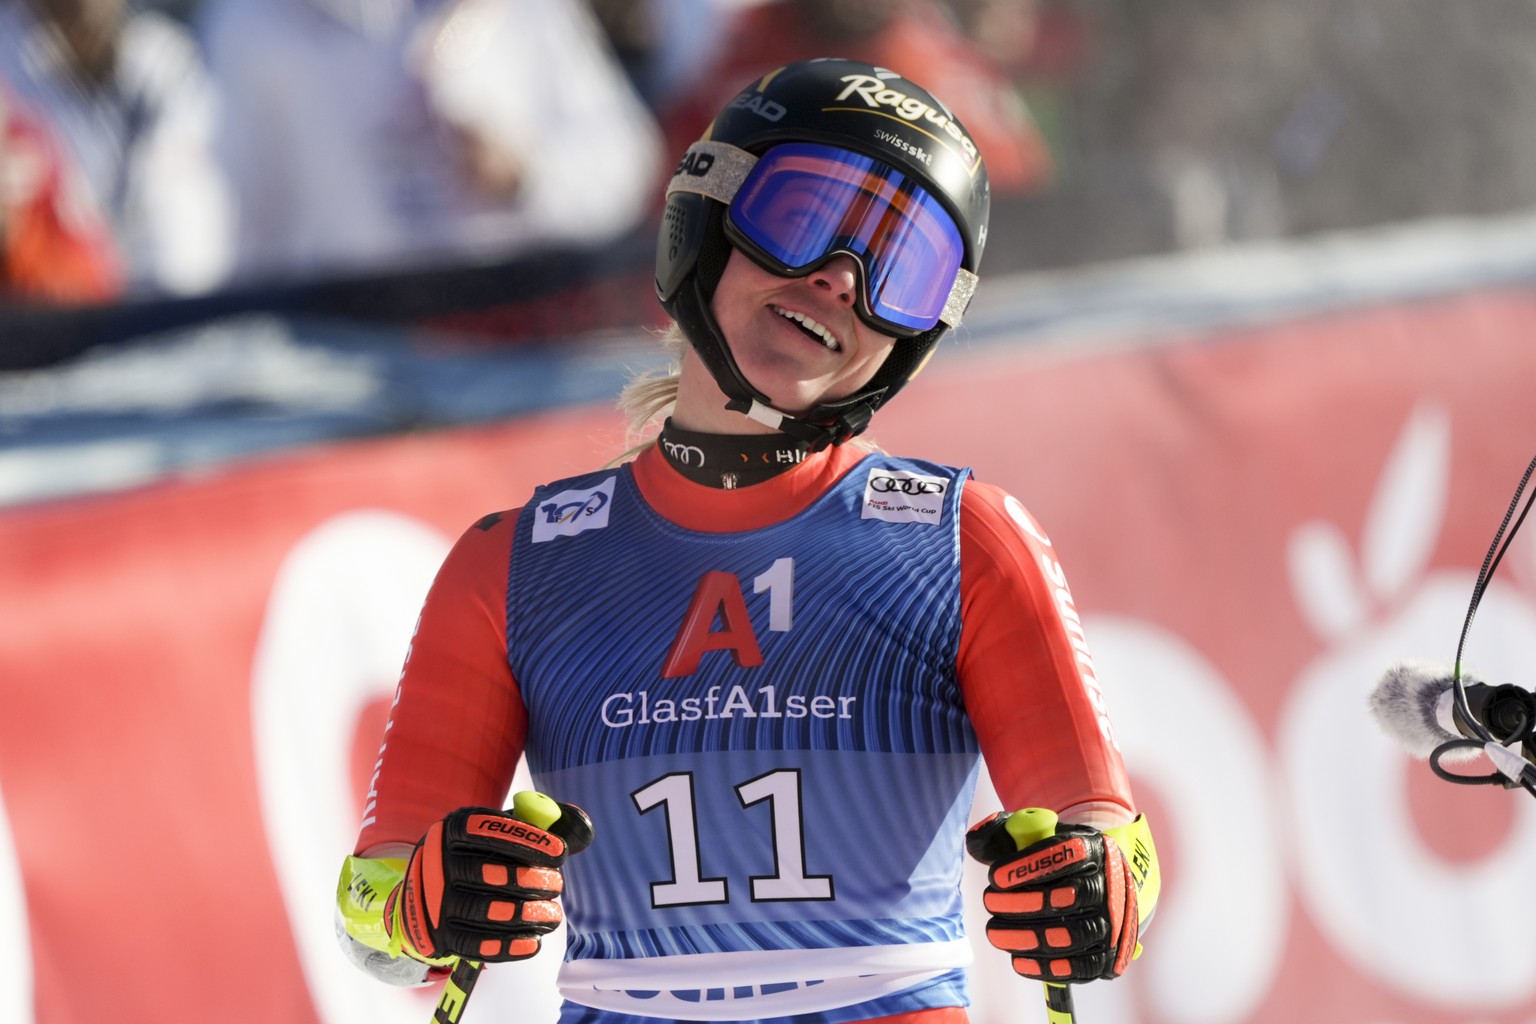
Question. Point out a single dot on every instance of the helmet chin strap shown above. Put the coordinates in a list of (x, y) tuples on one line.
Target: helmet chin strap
[(757, 412), (827, 424), (845, 422)]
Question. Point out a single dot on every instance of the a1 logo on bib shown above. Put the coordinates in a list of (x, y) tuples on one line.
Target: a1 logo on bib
[(571, 512), (901, 496)]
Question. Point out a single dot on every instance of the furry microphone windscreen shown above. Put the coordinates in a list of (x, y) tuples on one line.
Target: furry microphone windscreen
[(1411, 704)]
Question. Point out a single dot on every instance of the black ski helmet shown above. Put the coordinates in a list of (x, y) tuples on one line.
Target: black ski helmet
[(851, 105)]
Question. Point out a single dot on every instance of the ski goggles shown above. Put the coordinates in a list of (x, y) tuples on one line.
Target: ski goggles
[(800, 204)]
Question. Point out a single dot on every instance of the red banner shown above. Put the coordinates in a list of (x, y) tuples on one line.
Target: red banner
[(1255, 525)]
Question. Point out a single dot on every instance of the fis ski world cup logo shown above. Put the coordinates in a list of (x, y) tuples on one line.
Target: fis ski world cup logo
[(571, 512), (901, 496)]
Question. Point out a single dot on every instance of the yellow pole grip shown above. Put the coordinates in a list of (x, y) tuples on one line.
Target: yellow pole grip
[(1028, 827), (540, 811)]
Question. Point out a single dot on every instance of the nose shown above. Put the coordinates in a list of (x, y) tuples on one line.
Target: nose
[(838, 276)]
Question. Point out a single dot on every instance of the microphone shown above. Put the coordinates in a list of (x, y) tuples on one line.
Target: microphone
[(1415, 704)]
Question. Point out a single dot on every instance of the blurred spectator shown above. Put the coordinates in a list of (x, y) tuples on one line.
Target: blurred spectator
[(663, 44), (1004, 30), (55, 246), (921, 38), (126, 95), (377, 135), (182, 10)]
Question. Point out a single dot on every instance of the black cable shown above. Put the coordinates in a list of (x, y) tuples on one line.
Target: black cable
[(1494, 779), (1501, 542)]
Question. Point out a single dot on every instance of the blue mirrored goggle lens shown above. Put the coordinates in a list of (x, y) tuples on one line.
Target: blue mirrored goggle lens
[(802, 202)]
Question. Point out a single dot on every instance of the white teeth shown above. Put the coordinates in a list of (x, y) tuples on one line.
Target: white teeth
[(827, 337)]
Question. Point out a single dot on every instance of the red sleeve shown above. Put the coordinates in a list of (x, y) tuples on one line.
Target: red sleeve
[(457, 726), (1025, 671)]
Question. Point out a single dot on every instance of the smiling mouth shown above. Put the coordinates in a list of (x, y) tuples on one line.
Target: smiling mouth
[(811, 328)]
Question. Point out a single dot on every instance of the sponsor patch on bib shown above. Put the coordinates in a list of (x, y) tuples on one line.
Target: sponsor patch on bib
[(571, 512), (901, 496)]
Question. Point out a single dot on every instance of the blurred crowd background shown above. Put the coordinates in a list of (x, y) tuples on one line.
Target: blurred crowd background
[(463, 162)]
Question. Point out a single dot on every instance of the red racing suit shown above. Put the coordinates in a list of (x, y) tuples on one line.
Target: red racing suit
[(460, 721)]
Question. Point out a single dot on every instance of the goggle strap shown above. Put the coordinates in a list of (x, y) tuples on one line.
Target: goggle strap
[(712, 169), (959, 297)]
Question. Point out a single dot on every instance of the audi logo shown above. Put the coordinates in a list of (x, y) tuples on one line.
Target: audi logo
[(906, 485), (684, 454)]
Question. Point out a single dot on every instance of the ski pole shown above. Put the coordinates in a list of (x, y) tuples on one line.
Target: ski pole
[(1028, 827), (527, 806)]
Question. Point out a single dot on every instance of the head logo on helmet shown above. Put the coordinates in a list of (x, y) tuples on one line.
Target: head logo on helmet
[(765, 109), (897, 129)]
